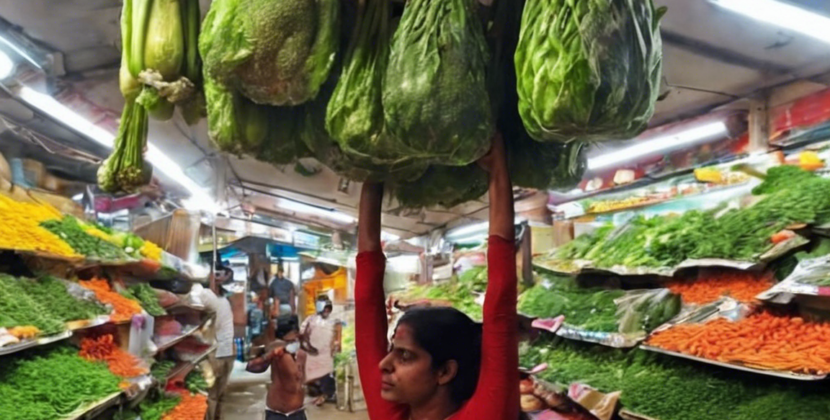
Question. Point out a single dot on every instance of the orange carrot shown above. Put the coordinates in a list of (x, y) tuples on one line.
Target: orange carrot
[(123, 308), (709, 287), (191, 407), (119, 361), (761, 340)]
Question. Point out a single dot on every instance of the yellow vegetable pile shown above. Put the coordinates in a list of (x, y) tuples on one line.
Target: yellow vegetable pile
[(151, 251), (20, 228)]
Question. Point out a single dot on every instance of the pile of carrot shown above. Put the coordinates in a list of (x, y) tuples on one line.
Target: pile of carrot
[(711, 286), (191, 407), (120, 362), (762, 340), (123, 308)]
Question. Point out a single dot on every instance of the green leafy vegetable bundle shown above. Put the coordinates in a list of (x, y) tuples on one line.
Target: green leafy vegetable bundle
[(161, 369), (667, 388), (52, 294), (435, 97), (147, 296), (156, 408), (18, 309), (51, 384), (461, 294), (588, 70), (70, 230)]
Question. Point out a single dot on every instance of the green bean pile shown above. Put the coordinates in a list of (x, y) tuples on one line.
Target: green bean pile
[(148, 298), (51, 384), (83, 243), (51, 293), (19, 309)]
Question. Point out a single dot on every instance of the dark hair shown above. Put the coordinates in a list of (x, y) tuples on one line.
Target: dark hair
[(286, 326), (448, 334)]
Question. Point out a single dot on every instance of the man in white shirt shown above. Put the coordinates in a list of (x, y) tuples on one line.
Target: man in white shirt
[(223, 365)]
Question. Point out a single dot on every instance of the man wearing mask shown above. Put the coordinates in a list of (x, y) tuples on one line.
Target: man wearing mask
[(287, 363), (285, 296), (321, 338)]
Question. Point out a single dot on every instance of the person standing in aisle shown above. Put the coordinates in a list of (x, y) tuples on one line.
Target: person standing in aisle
[(321, 337), (287, 363), (215, 301), (440, 364), (285, 296)]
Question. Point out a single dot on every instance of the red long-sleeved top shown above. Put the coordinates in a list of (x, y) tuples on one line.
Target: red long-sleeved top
[(497, 393)]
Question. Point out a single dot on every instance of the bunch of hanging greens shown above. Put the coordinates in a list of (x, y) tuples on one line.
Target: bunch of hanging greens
[(160, 70)]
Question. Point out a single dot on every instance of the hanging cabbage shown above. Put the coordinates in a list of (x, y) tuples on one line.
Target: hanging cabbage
[(435, 98), (275, 52), (545, 166), (588, 70), (354, 117), (445, 186)]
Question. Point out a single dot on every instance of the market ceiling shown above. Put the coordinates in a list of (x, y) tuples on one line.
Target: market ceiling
[(712, 58)]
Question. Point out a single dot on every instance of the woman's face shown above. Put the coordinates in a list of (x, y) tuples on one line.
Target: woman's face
[(406, 372)]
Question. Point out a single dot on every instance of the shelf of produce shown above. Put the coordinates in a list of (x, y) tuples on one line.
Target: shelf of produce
[(93, 410), (14, 348), (176, 340), (184, 368), (779, 374), (89, 323)]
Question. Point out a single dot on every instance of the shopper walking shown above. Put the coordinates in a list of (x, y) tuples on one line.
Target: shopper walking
[(215, 301), (287, 363), (321, 337), (441, 365)]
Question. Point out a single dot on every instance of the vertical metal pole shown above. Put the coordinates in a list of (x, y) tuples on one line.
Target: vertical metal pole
[(759, 123)]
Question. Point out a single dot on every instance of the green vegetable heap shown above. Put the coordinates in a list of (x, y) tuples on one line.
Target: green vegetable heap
[(51, 384), (83, 243), (156, 408), (741, 235), (461, 293), (52, 295), (594, 309), (148, 298), (161, 370), (588, 70), (18, 309), (666, 388), (195, 381)]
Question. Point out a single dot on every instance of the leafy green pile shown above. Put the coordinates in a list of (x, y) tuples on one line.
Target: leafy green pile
[(741, 234), (781, 178), (195, 381), (17, 309), (148, 298), (673, 389), (588, 70), (445, 186), (52, 295), (161, 369), (83, 243), (596, 309), (51, 384), (156, 408), (435, 98), (460, 293)]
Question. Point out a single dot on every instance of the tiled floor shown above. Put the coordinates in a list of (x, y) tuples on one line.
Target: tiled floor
[(245, 400)]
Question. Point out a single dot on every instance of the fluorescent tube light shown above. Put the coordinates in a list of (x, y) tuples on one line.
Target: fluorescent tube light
[(199, 198), (6, 65), (389, 237), (781, 14), (663, 143), (467, 230), (316, 211)]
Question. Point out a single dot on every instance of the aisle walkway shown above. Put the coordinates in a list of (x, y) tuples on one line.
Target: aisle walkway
[(245, 400)]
